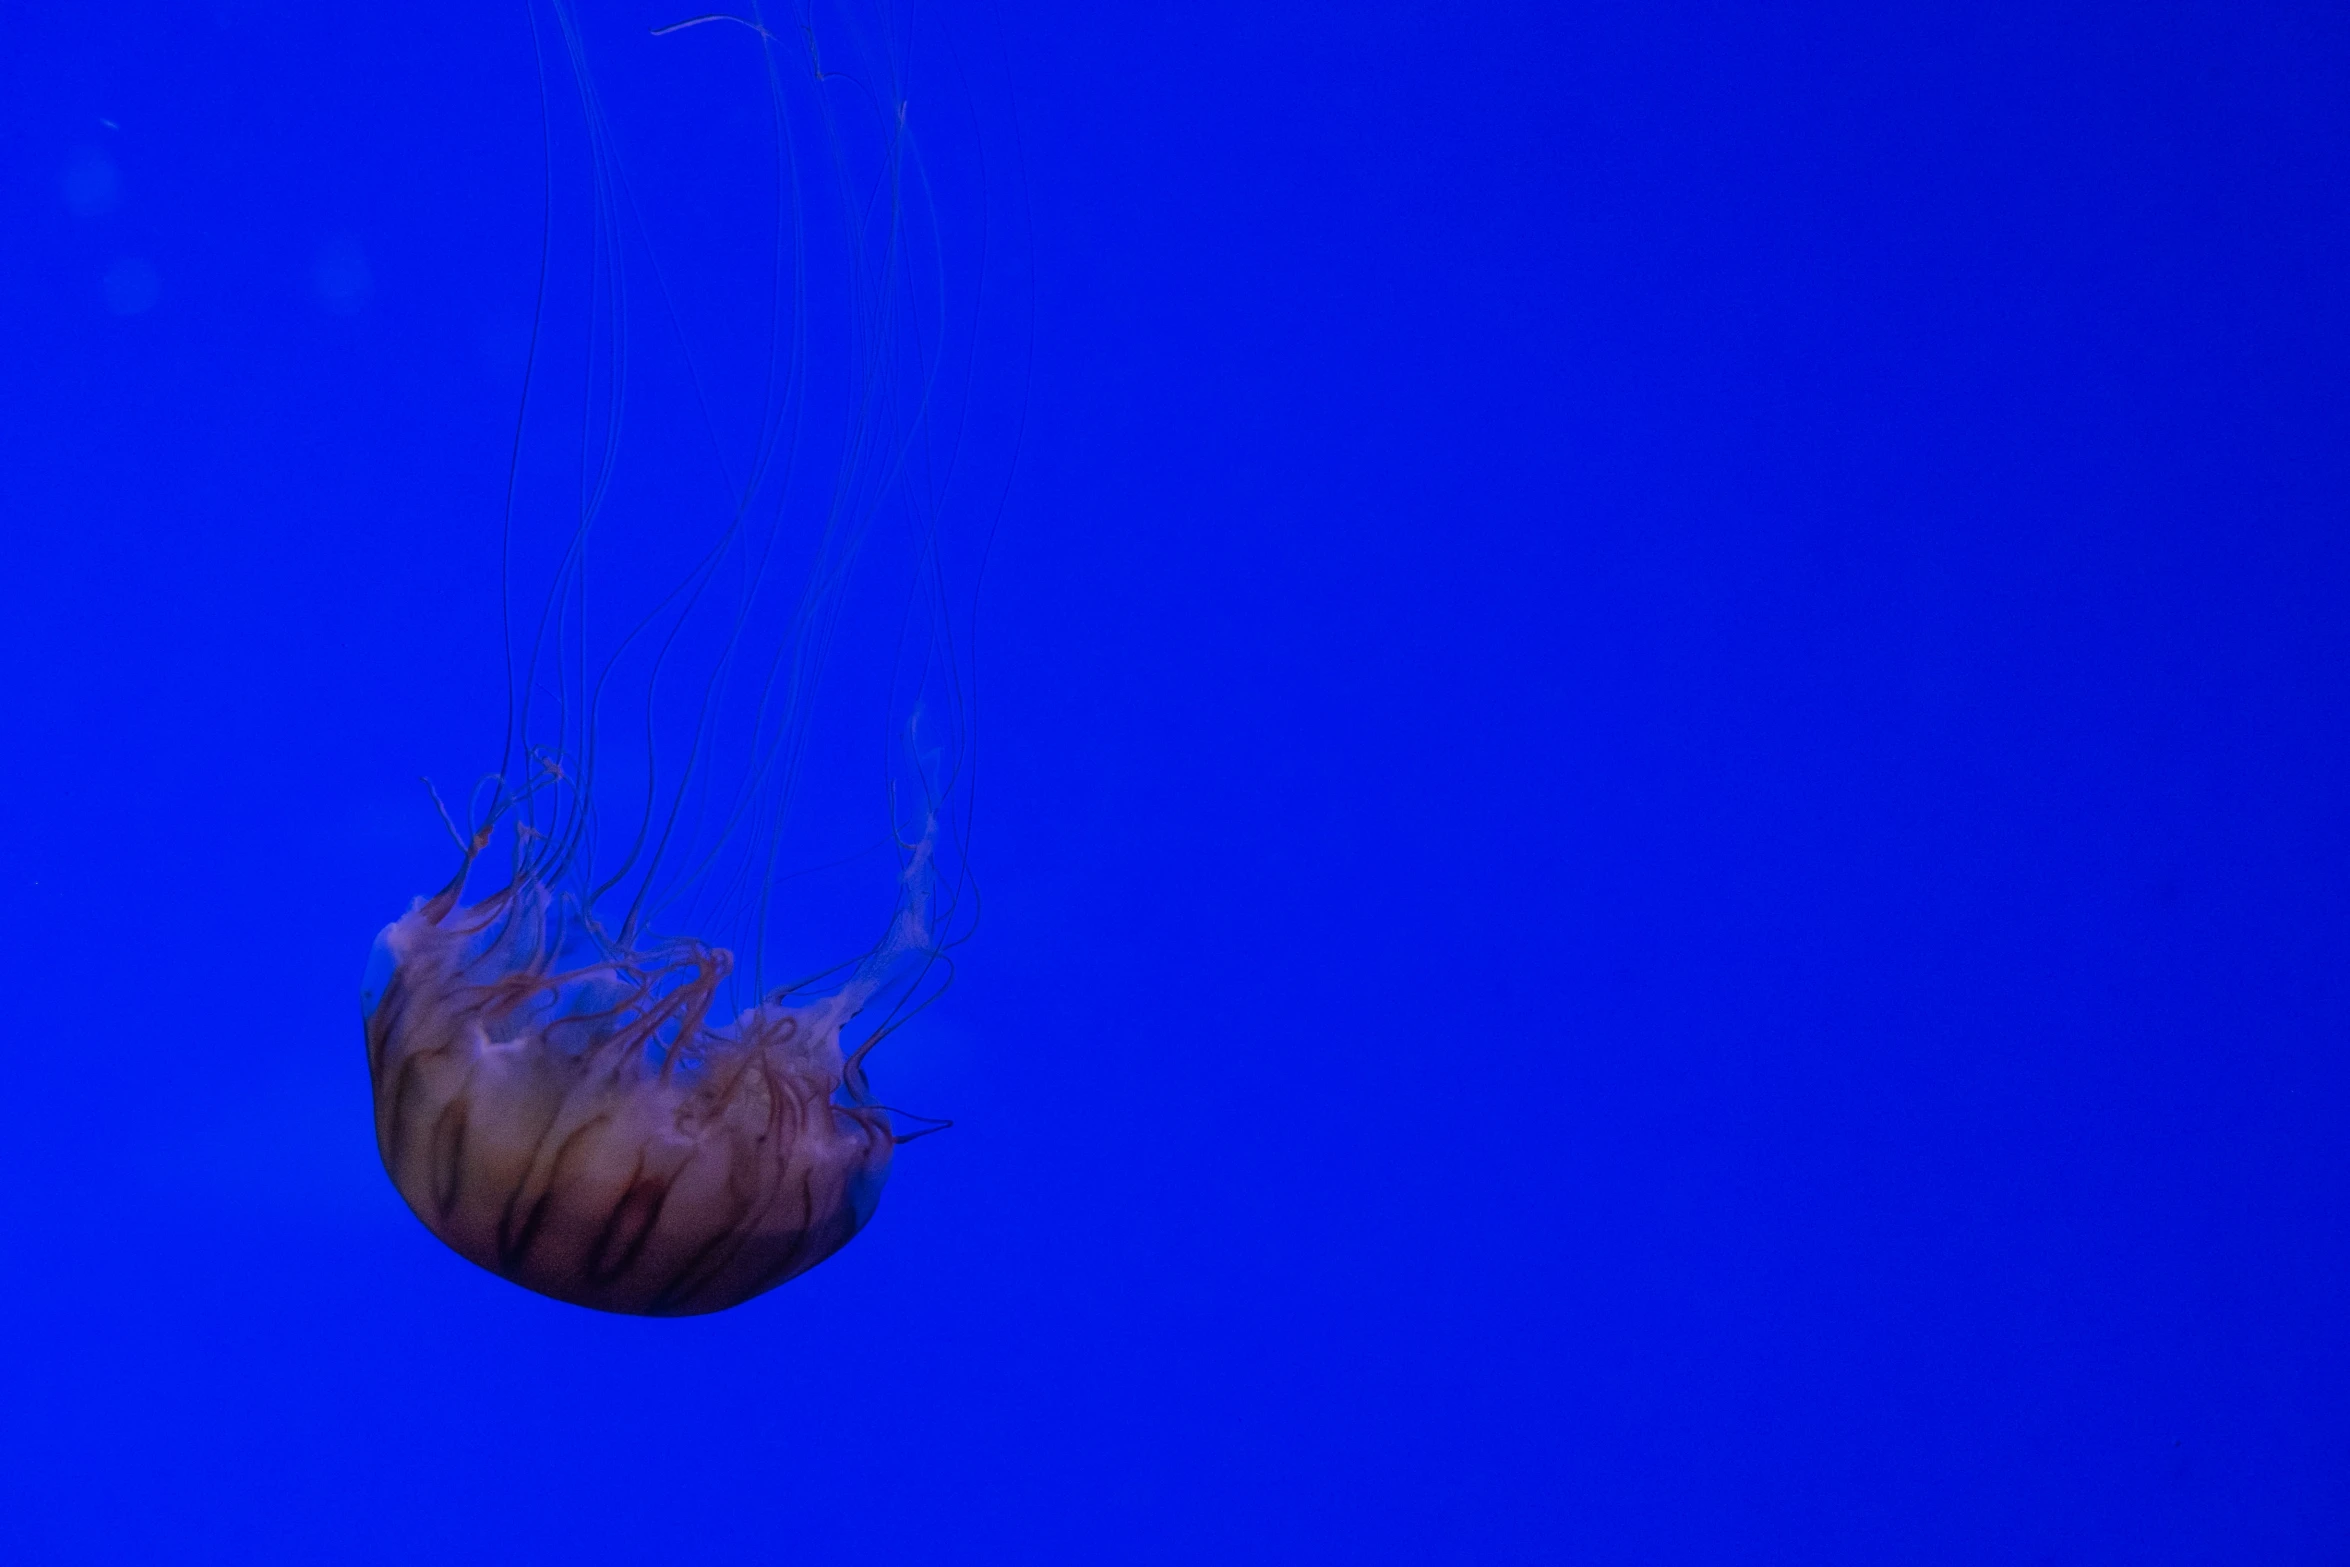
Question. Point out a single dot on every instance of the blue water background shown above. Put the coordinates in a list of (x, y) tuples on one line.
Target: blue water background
[(1666, 811)]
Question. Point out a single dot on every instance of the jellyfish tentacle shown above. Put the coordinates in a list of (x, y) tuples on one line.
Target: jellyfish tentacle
[(697, 21)]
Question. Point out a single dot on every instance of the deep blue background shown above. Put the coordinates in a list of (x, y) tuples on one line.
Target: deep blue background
[(1665, 817)]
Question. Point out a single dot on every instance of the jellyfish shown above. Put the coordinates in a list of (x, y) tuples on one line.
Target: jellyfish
[(593, 1072)]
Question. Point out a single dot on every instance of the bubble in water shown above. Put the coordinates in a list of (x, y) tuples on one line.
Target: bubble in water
[(91, 183), (131, 287), (341, 276)]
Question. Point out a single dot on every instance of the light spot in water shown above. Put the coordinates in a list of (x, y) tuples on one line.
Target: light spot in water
[(132, 287), (91, 183), (341, 276)]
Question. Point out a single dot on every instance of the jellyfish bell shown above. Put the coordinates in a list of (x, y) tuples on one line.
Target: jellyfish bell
[(566, 1111), (620, 1056)]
